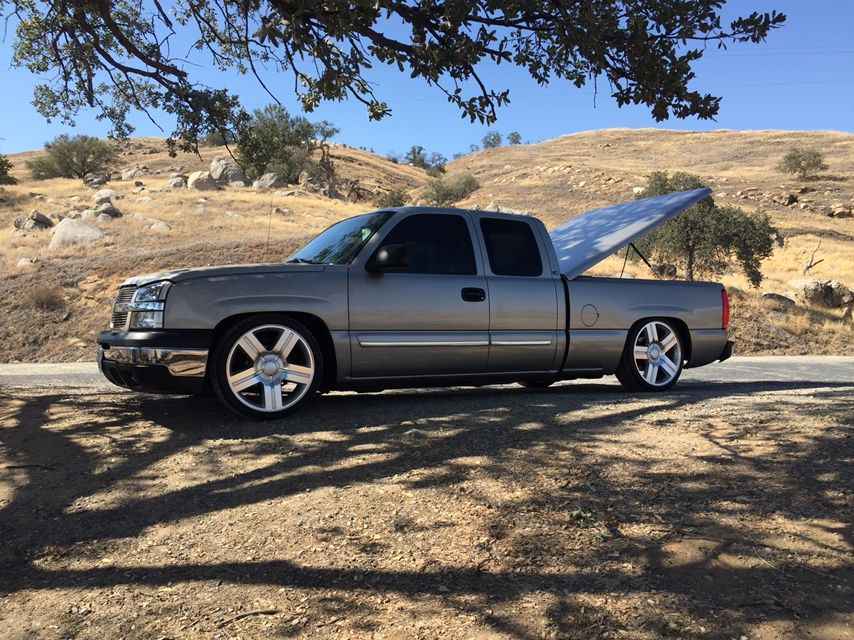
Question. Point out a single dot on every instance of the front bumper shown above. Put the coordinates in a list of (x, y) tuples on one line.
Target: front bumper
[(150, 361)]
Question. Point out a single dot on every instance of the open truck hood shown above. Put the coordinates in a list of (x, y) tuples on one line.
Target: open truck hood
[(595, 235)]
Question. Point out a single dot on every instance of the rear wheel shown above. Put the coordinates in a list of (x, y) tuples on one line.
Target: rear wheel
[(267, 367), (652, 360)]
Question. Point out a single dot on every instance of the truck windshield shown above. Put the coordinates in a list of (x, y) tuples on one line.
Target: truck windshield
[(340, 243)]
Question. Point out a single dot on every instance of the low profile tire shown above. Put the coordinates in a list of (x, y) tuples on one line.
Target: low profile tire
[(266, 367), (653, 357)]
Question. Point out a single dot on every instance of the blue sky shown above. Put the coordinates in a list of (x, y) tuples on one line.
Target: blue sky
[(801, 78)]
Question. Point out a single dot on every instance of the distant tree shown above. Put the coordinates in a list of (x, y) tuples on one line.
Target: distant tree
[(491, 140), (458, 155), (273, 140), (393, 157), (706, 239), (397, 197), (5, 168), (416, 156), (324, 130), (437, 161), (220, 138), (514, 137), (802, 162), (72, 157), (442, 192)]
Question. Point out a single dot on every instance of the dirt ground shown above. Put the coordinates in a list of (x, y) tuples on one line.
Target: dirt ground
[(714, 511)]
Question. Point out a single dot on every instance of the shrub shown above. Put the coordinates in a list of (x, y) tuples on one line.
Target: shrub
[(802, 162), (220, 139), (75, 157), (45, 298), (443, 192), (5, 168), (273, 140), (491, 140), (514, 137), (397, 197)]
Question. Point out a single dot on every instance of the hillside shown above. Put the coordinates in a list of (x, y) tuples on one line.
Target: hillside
[(54, 301)]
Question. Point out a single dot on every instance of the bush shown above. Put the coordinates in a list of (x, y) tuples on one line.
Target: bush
[(220, 139), (514, 137), (75, 157), (441, 192), (491, 140), (5, 168), (397, 197), (45, 298), (802, 162), (273, 140)]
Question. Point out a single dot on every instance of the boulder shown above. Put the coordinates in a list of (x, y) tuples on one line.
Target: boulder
[(178, 182), (108, 208), (638, 190), (133, 173), (103, 217), (160, 227), (105, 195), (290, 193), (146, 200), (73, 232), (88, 213), (823, 293), (839, 210), (226, 171), (27, 264), (36, 221), (96, 181), (779, 299), (269, 181), (201, 181)]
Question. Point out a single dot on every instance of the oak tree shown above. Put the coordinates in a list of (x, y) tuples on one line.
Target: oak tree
[(129, 55)]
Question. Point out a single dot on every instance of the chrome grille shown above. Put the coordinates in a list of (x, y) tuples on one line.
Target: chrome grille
[(120, 318)]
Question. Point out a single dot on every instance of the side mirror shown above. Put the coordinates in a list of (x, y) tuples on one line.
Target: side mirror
[(391, 256)]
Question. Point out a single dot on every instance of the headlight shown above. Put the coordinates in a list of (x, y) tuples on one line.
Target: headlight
[(146, 320), (152, 292)]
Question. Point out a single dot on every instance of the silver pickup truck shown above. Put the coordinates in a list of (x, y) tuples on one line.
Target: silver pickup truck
[(413, 297)]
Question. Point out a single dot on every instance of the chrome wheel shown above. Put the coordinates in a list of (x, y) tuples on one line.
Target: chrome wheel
[(657, 354), (269, 368)]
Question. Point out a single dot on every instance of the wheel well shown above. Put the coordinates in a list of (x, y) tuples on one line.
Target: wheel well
[(681, 329), (314, 324)]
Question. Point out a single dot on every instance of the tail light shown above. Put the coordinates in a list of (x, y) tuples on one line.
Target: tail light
[(725, 306)]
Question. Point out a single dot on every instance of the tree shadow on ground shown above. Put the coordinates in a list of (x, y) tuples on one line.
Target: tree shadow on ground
[(594, 533)]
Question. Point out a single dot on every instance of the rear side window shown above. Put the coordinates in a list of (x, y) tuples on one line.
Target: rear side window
[(435, 243), (511, 247)]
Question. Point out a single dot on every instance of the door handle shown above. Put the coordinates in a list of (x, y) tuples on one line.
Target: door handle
[(473, 294)]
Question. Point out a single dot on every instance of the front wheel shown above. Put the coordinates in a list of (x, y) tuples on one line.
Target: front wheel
[(267, 366), (652, 360)]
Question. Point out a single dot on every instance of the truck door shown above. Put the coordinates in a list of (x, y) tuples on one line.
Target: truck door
[(523, 296), (429, 318)]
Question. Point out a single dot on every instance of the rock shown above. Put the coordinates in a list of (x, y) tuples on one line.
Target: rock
[(108, 208), (145, 200), (201, 181), (839, 210), (638, 190), (778, 298), (823, 293), (492, 206), (97, 180), (105, 195), (104, 217), (290, 193), (88, 213), (133, 173), (847, 316), (226, 170), (139, 183), (269, 181), (281, 210), (73, 232), (304, 179), (178, 182), (36, 221), (27, 264), (237, 184), (160, 227)]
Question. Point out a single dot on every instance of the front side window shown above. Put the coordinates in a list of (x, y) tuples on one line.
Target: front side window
[(434, 243), (511, 247), (340, 243)]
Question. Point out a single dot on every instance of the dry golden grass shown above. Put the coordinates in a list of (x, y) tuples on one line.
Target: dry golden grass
[(555, 180)]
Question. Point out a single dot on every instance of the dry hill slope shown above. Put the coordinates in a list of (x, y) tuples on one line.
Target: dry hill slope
[(52, 307)]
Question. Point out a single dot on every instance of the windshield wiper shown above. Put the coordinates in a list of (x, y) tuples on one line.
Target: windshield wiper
[(300, 261)]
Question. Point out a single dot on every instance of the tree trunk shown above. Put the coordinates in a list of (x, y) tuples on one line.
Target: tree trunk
[(689, 265)]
